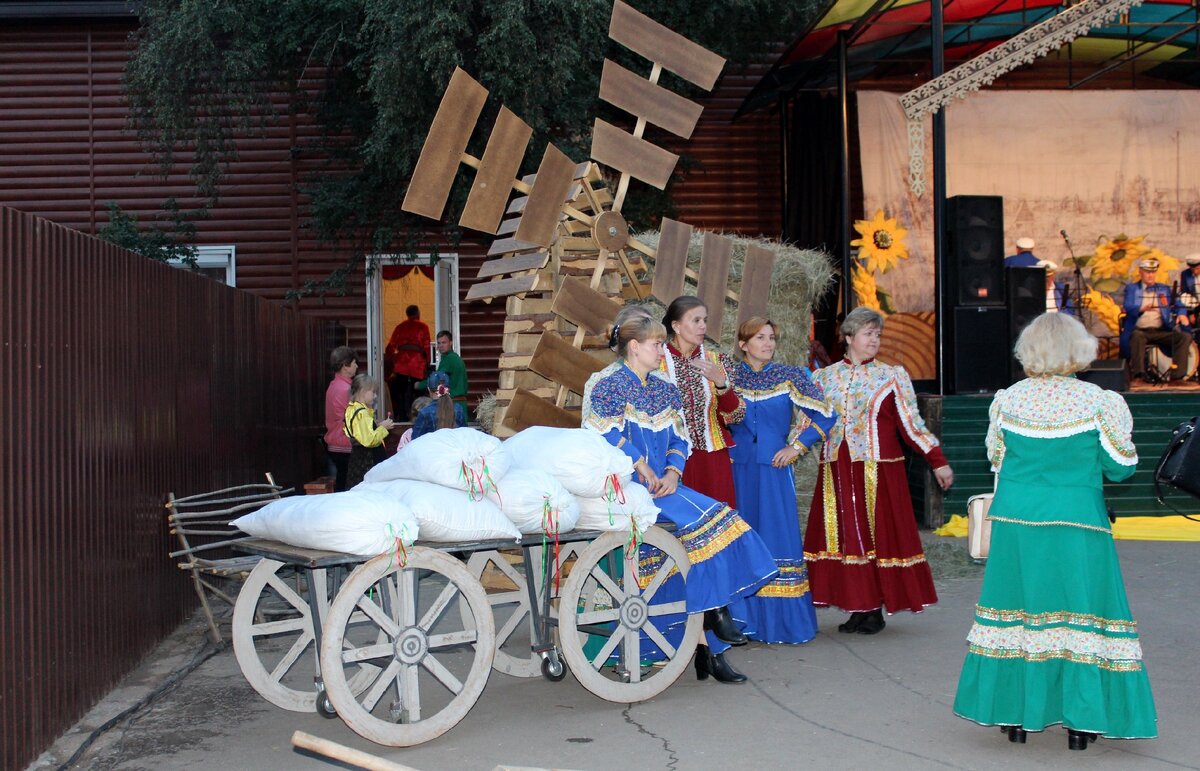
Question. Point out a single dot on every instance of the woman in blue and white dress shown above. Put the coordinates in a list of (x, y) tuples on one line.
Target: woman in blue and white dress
[(640, 415), (786, 414)]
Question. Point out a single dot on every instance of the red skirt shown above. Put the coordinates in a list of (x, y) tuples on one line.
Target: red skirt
[(711, 473), (865, 566)]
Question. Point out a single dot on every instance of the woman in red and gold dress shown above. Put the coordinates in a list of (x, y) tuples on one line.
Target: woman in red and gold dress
[(862, 546)]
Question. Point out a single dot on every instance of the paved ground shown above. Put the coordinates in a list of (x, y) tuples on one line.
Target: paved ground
[(843, 701)]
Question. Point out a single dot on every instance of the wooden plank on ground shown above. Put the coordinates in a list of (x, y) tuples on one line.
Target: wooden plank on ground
[(499, 166), (756, 283), (527, 410), (714, 277), (650, 101), (583, 306), (643, 35), (635, 156), (444, 146), (513, 264), (671, 261), (544, 208), (559, 361)]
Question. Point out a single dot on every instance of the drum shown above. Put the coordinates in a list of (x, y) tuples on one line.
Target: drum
[(1161, 362)]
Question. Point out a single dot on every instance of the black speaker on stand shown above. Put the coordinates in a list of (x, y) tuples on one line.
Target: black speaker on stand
[(1025, 289), (973, 295)]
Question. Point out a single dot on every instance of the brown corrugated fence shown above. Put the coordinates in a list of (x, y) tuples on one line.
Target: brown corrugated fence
[(121, 379)]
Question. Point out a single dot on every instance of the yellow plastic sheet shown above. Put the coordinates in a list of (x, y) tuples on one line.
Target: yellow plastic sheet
[(1126, 528)]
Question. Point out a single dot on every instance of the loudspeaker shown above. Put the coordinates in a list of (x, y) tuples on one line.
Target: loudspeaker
[(974, 232), (1107, 373), (1025, 290), (980, 345)]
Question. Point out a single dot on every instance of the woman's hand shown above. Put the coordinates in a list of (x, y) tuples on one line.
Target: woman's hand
[(944, 476), (785, 457), (714, 372), (647, 476), (667, 483)]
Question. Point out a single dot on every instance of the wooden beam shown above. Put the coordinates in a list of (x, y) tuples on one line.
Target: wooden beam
[(583, 306), (556, 359), (499, 166), (714, 277), (513, 264), (544, 208), (756, 284), (671, 261), (651, 102), (527, 410), (633, 155)]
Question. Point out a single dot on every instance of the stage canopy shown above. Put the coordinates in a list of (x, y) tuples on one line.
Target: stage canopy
[(890, 41)]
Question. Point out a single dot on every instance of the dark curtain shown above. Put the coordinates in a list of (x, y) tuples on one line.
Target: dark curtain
[(394, 272)]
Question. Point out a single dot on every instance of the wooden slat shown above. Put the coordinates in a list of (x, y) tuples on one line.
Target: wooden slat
[(518, 262), (643, 99), (544, 208), (499, 166), (508, 226), (527, 410), (714, 277), (503, 287), (671, 261), (756, 284), (643, 35), (510, 246), (583, 306), (444, 146), (556, 359), (635, 156)]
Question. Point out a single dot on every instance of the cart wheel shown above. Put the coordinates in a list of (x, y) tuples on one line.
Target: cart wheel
[(552, 667), (627, 611), (508, 595), (432, 666), (325, 708), (273, 637)]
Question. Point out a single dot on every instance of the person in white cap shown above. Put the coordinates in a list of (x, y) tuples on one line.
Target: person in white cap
[(1153, 316), (1024, 257), (1057, 297), (1187, 284)]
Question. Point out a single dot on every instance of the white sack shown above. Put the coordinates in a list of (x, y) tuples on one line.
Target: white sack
[(446, 514), (356, 522), (602, 514), (524, 496), (581, 459), (463, 458)]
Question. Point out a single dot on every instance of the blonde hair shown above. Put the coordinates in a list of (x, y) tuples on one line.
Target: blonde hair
[(360, 384), (860, 318), (623, 317), (640, 328), (1055, 344), (751, 327)]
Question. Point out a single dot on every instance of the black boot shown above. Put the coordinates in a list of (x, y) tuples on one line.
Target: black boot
[(1079, 740), (872, 622), (851, 624), (715, 665), (1016, 734), (719, 622)]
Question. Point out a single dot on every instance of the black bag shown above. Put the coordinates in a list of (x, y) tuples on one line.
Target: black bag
[(1179, 465)]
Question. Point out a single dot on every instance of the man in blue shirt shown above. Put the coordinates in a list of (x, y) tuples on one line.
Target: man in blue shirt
[(1152, 316), (1187, 285), (1024, 257)]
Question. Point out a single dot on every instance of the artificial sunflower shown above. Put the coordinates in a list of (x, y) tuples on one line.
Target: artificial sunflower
[(882, 243), (1116, 257), (865, 288), (1105, 308)]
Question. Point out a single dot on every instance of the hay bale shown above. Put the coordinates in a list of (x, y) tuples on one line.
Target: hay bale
[(485, 412), (798, 280)]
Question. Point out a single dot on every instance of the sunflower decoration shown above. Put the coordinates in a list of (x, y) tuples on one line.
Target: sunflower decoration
[(1104, 308), (881, 246), (1116, 257)]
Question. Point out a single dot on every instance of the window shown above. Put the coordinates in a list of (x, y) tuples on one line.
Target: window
[(215, 262)]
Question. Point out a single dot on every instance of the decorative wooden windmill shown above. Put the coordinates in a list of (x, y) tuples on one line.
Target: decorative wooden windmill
[(564, 257)]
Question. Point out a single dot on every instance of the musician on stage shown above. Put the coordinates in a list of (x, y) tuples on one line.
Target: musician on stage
[(1153, 315), (1188, 296)]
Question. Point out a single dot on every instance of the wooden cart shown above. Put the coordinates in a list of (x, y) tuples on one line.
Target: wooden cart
[(401, 645)]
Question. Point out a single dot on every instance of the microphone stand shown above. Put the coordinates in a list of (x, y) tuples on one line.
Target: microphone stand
[(1078, 308)]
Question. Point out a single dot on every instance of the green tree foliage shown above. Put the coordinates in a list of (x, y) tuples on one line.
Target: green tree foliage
[(372, 72), (157, 243)]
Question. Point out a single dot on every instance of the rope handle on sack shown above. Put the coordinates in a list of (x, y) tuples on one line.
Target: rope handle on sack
[(400, 553), (549, 528)]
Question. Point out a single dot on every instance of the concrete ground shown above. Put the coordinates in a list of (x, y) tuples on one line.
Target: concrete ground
[(841, 701)]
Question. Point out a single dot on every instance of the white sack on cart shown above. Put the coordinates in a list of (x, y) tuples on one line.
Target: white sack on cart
[(604, 514), (526, 496), (463, 458), (358, 522), (447, 514), (578, 457)]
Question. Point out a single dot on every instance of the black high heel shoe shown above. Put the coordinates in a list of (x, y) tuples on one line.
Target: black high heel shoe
[(1016, 734), (709, 664), (872, 622), (721, 623), (850, 625), (1079, 740)]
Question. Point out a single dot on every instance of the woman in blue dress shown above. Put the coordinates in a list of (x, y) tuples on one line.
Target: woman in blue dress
[(786, 413), (640, 415)]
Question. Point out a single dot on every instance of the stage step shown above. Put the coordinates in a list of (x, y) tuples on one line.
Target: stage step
[(961, 422)]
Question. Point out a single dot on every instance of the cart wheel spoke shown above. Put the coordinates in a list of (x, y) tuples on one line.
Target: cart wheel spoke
[(510, 626), (410, 692), (606, 650), (380, 686), (596, 616), (660, 577), (285, 664), (407, 612), (287, 593), (280, 627), (609, 585), (367, 653), (439, 607), (443, 675), (668, 608), (379, 616), (633, 655), (659, 639)]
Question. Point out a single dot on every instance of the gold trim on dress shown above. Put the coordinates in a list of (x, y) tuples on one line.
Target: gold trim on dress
[(830, 500)]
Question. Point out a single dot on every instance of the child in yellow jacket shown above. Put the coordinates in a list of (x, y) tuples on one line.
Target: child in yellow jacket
[(359, 425)]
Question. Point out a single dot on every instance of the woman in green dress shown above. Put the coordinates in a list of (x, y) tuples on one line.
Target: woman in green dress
[(1053, 639)]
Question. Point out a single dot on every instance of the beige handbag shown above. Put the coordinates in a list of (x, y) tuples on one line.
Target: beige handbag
[(979, 527)]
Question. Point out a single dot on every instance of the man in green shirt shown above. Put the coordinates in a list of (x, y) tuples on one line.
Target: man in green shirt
[(452, 364)]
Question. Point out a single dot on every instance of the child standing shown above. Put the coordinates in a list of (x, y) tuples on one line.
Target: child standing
[(344, 363), (359, 425)]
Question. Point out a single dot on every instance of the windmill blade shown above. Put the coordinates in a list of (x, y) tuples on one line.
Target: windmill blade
[(493, 181), (643, 35), (632, 155), (714, 277), (528, 410), (444, 146), (643, 99), (756, 283), (558, 360), (671, 260), (551, 188), (583, 306)]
